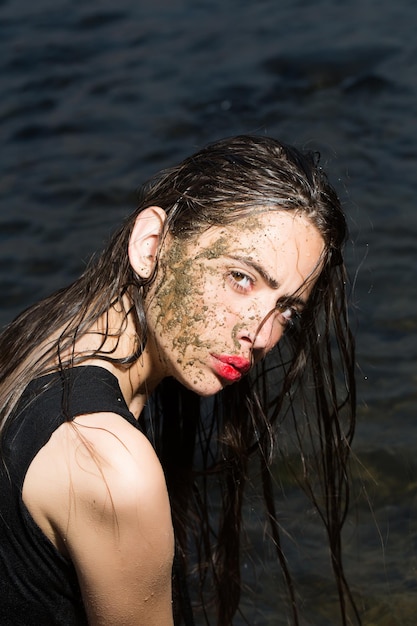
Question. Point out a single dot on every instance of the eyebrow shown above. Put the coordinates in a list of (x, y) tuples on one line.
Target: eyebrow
[(270, 281)]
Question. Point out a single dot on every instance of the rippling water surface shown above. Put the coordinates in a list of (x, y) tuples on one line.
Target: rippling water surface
[(97, 96)]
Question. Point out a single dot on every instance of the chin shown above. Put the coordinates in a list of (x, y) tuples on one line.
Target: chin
[(204, 389)]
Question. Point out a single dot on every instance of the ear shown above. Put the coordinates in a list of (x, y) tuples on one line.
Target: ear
[(145, 239)]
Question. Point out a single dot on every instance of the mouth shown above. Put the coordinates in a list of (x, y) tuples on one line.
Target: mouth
[(230, 367)]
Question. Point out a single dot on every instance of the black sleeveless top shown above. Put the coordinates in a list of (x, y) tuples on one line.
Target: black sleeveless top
[(39, 586)]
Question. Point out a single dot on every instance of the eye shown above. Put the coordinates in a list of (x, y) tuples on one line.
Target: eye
[(288, 314), (240, 281)]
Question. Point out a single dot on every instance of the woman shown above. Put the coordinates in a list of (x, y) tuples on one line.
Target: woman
[(239, 243)]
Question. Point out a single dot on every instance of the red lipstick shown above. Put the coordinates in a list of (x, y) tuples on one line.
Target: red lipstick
[(230, 367)]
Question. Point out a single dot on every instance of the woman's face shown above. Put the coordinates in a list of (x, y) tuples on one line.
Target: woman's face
[(212, 311)]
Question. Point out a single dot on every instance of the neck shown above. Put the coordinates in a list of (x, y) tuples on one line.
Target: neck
[(138, 380)]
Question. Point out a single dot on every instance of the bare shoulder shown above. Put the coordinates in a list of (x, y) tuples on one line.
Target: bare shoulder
[(101, 492), (105, 446), (103, 461)]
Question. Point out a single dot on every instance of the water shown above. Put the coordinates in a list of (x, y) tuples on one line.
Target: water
[(96, 97)]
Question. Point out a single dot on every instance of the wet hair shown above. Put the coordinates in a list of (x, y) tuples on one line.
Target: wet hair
[(306, 383)]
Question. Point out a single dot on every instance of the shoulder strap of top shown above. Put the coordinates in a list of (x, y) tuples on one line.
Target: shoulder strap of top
[(92, 389), (53, 399)]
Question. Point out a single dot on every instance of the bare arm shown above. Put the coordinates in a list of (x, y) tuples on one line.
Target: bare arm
[(111, 509)]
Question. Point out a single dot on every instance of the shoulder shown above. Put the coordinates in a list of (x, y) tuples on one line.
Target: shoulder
[(115, 476), (98, 466), (109, 457), (106, 499), (107, 460)]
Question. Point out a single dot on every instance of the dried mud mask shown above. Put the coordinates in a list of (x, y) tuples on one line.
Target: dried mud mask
[(182, 283), (214, 295), (179, 289)]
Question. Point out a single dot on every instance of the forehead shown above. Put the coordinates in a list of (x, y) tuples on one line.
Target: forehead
[(265, 234)]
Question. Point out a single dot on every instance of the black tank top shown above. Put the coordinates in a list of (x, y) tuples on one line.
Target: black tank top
[(39, 586)]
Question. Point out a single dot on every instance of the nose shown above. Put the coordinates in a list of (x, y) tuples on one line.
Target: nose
[(262, 335)]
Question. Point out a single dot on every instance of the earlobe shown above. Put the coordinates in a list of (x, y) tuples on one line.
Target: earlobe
[(145, 239)]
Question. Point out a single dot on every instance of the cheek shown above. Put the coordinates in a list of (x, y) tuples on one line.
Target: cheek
[(275, 337), (178, 311)]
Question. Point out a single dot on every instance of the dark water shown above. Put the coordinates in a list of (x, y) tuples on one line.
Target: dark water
[(97, 96)]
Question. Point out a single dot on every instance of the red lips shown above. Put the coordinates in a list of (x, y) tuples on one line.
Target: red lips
[(230, 367), (238, 362)]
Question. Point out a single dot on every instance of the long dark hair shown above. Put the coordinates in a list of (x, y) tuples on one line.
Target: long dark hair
[(197, 440)]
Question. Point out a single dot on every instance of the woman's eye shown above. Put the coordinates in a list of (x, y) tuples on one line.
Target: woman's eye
[(240, 281), (288, 314)]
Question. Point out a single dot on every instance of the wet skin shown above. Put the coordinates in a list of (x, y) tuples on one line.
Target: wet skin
[(221, 301)]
